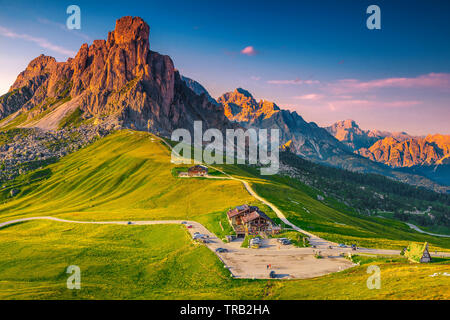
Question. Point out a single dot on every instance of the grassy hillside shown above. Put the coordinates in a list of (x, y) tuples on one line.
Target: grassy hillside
[(329, 218), (128, 176), (162, 262)]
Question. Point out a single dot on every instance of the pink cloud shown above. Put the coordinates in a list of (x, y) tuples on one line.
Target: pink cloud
[(293, 82), (369, 104), (311, 96), (249, 51)]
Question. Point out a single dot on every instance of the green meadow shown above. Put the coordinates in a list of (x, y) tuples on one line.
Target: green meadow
[(162, 262), (128, 176)]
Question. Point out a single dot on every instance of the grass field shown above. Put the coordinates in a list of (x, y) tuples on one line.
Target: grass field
[(162, 262), (125, 176), (128, 176)]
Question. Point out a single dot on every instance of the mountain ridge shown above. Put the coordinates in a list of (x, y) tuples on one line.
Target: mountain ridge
[(119, 78), (349, 133)]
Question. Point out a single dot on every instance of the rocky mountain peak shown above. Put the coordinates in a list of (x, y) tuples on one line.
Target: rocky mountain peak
[(349, 123), (118, 78), (245, 93), (129, 29)]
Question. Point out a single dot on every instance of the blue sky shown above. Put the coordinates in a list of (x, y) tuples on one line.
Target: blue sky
[(315, 57)]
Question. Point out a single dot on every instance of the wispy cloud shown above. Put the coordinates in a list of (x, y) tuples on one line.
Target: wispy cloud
[(41, 42), (430, 80), (64, 28), (255, 78), (249, 51), (293, 82), (360, 104), (311, 96)]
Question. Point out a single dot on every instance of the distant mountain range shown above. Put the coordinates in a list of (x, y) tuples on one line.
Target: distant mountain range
[(397, 149), (349, 133), (343, 145), (303, 138)]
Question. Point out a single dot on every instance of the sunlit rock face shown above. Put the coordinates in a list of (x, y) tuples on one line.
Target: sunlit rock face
[(119, 77), (303, 138)]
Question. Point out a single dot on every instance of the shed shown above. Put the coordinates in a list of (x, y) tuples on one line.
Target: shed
[(417, 252)]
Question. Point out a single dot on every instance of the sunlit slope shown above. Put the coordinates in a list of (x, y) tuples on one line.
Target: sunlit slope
[(126, 175)]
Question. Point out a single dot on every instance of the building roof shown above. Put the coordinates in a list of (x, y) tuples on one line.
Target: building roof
[(239, 209), (198, 168), (255, 215)]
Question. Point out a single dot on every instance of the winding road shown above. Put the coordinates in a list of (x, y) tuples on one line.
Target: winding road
[(421, 231)]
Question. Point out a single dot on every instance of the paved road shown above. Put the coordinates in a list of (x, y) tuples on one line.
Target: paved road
[(421, 231)]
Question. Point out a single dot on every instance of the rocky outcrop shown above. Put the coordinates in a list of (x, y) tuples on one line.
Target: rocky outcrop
[(240, 106), (408, 153), (121, 78)]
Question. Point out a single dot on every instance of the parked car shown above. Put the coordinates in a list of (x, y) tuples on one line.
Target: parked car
[(189, 226), (354, 247), (280, 240), (286, 242), (255, 243), (184, 222), (203, 240), (221, 250), (195, 233), (129, 222), (341, 245), (272, 274)]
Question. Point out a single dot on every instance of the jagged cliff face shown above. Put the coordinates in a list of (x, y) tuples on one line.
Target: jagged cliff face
[(240, 106), (303, 138), (413, 152), (349, 133), (119, 78)]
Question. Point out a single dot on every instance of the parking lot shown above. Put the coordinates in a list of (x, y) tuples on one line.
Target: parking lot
[(288, 261)]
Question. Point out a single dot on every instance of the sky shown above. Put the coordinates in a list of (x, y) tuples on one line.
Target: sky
[(314, 57)]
